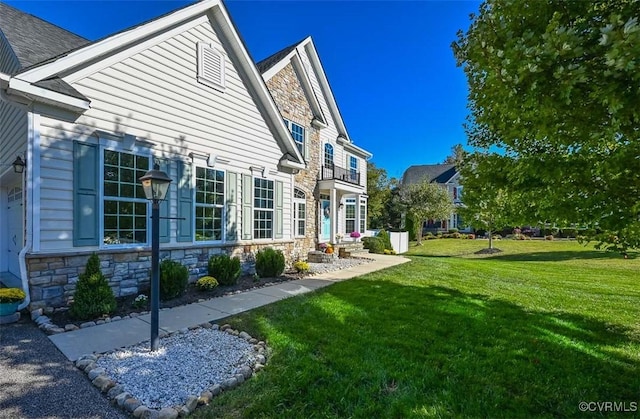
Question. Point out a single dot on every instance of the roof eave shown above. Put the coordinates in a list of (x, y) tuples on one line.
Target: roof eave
[(38, 94)]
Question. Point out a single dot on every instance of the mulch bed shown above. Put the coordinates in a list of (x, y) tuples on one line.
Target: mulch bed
[(192, 295)]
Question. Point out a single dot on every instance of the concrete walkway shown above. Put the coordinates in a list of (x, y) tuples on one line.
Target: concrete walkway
[(127, 332)]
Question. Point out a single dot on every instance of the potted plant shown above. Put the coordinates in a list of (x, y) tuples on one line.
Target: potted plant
[(355, 236), (10, 299)]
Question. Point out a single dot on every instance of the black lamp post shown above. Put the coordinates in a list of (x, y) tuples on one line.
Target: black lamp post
[(155, 184)]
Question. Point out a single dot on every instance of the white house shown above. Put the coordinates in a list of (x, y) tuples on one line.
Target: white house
[(90, 118)]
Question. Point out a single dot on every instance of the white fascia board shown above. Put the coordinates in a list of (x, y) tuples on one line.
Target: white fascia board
[(314, 59), (4, 78), (257, 84), (17, 86), (361, 152), (115, 42), (268, 75)]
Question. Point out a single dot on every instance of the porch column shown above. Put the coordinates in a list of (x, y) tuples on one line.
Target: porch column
[(334, 215), (357, 226)]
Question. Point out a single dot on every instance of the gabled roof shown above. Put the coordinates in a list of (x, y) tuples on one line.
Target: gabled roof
[(34, 40), (437, 173), (37, 79), (274, 59)]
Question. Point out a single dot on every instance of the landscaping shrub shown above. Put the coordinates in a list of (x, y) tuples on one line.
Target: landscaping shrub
[(428, 236), (386, 239), (270, 262), (226, 269), (453, 230), (471, 236), (374, 244), (173, 279), (93, 297), (455, 235), (549, 237), (301, 266), (11, 295), (206, 283), (389, 252)]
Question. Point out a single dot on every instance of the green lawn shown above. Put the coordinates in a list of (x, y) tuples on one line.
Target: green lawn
[(532, 331)]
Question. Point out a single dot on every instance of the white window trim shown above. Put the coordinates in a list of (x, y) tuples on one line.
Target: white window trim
[(117, 147), (202, 78), (296, 219), (254, 209), (223, 217)]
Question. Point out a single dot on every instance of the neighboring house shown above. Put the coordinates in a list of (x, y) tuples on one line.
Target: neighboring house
[(181, 90), (448, 177)]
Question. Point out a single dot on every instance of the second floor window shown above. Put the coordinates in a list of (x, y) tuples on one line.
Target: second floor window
[(297, 132), (328, 155)]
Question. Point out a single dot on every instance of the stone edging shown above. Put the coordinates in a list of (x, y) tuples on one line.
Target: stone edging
[(118, 396)]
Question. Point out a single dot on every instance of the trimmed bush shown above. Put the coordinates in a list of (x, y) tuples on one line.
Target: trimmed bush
[(301, 266), (226, 269), (11, 295), (206, 283), (93, 297), (549, 237), (386, 239), (269, 263), (471, 236), (374, 244), (173, 279), (453, 230)]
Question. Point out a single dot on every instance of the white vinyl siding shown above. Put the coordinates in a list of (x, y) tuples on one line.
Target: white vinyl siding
[(13, 135), (155, 96)]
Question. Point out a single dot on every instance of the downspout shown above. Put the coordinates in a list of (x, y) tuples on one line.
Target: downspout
[(31, 137)]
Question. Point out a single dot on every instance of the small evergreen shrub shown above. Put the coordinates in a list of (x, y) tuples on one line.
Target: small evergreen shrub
[(374, 244), (173, 279), (301, 266), (269, 263), (429, 236), (386, 239), (141, 301), (453, 230), (226, 269), (206, 283), (93, 297)]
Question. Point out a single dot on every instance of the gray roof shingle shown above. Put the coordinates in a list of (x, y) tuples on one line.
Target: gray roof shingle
[(270, 61), (438, 173), (34, 40)]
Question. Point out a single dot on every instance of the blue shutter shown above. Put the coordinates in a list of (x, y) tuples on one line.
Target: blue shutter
[(85, 194), (164, 205), (185, 203), (232, 206), (279, 210), (247, 206)]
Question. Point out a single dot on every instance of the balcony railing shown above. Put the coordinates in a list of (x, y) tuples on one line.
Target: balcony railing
[(339, 173)]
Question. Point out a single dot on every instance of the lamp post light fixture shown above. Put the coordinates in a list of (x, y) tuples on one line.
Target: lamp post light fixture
[(19, 165), (155, 184)]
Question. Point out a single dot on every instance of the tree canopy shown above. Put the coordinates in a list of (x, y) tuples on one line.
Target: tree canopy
[(554, 88), (426, 201), (380, 191)]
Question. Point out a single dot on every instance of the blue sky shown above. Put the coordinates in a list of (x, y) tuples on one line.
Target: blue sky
[(389, 64)]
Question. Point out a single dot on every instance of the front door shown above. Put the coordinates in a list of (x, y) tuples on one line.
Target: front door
[(15, 229), (325, 220)]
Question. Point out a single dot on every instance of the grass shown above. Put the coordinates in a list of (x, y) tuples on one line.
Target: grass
[(532, 331)]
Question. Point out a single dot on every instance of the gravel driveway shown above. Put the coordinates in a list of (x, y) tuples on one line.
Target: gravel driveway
[(37, 381)]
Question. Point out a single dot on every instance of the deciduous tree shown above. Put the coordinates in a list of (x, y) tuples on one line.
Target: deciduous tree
[(555, 87), (424, 201)]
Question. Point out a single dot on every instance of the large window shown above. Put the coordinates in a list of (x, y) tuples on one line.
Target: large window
[(299, 212), (328, 155), (262, 208), (353, 168), (350, 215), (209, 204), (297, 132), (125, 205)]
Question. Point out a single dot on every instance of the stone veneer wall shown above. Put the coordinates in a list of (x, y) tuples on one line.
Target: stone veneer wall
[(53, 277), (292, 102)]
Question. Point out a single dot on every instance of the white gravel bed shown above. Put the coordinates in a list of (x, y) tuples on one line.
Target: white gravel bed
[(185, 364), (338, 264)]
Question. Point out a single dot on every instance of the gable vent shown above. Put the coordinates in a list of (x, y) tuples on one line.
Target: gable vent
[(210, 66)]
